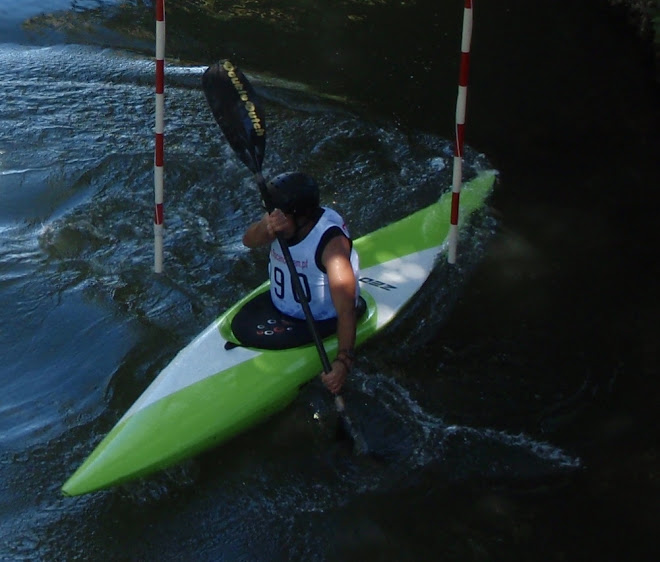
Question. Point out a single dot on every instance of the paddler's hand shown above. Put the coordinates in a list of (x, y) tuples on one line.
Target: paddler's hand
[(279, 223), (266, 229), (335, 379)]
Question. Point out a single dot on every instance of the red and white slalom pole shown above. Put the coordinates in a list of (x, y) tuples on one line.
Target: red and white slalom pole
[(461, 102), (159, 156)]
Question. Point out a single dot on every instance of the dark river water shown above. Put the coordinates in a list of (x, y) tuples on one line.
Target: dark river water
[(512, 409)]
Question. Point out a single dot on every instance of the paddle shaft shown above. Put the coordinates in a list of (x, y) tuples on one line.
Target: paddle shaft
[(304, 302), (297, 287), (295, 280)]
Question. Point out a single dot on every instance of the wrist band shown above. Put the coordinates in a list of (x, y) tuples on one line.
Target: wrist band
[(343, 362), (348, 352)]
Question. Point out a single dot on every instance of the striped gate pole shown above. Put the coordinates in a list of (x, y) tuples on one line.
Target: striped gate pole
[(159, 156), (461, 101)]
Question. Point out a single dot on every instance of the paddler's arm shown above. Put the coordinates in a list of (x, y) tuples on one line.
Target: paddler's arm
[(264, 231), (336, 260)]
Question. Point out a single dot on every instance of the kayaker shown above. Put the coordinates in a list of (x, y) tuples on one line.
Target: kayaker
[(324, 257)]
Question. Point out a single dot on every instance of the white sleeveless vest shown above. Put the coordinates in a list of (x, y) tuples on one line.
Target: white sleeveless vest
[(313, 280)]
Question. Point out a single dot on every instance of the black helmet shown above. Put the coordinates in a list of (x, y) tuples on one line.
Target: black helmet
[(294, 193)]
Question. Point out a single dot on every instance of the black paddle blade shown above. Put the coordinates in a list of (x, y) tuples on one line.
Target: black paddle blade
[(238, 112)]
